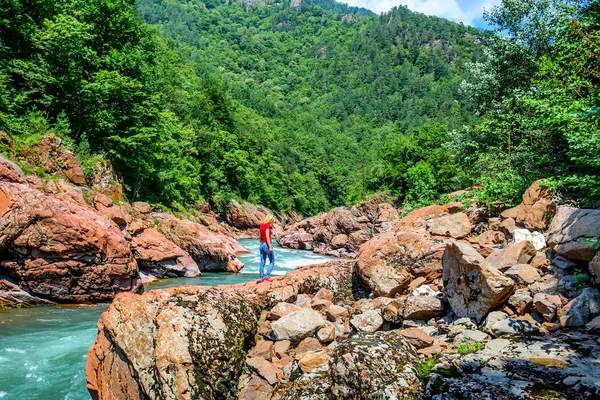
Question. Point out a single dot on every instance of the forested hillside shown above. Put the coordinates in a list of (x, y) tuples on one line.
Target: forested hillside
[(306, 105)]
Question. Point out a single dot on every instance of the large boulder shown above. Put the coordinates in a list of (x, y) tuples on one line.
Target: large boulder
[(342, 230), (511, 255), (389, 262), (573, 233), (164, 345), (298, 325), (595, 268), (581, 309), (12, 296), (246, 215), (374, 366), (454, 225), (472, 287), (163, 258), (10, 172), (210, 251), (537, 208), (62, 251)]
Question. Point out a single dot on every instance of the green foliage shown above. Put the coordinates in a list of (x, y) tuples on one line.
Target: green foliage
[(581, 280), (425, 365), (470, 347), (539, 97)]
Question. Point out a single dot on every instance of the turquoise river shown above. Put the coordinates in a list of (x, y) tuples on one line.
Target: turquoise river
[(43, 349)]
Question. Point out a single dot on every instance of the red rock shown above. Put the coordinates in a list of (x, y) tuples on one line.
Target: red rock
[(491, 238), (246, 215), (264, 368), (513, 254), (417, 337), (323, 294), (523, 274), (61, 250), (306, 345), (210, 251), (313, 359), (335, 313), (154, 252), (10, 172), (321, 305), (106, 180), (253, 387), (537, 209), (281, 347), (55, 158), (280, 310), (263, 349), (547, 305), (141, 207), (418, 218), (455, 225), (389, 262), (573, 233)]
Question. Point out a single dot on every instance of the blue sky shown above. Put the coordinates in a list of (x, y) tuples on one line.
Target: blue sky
[(469, 12)]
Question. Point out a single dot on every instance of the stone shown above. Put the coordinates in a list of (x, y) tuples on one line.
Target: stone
[(563, 263), (593, 326), (536, 238), (263, 349), (393, 312), (389, 262), (470, 336), (148, 344), (491, 319), (507, 327), (308, 344), (246, 215), (313, 359), (303, 301), (523, 274), (323, 294), (456, 226), (264, 369), (374, 366), (539, 260), (321, 305), (369, 321), (513, 254), (521, 301), (339, 241), (161, 257), (281, 347), (595, 269), (573, 231), (581, 309), (141, 207), (547, 305), (10, 172), (12, 296), (326, 334), (548, 284), (417, 337), (253, 387), (298, 325), (423, 307), (335, 313), (62, 251), (472, 287), (280, 310)]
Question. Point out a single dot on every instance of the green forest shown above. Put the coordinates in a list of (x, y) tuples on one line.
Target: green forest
[(308, 105)]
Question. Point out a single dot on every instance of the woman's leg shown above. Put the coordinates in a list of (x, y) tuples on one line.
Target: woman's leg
[(264, 251), (271, 263)]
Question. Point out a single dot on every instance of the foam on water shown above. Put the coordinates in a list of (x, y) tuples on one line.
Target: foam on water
[(43, 349)]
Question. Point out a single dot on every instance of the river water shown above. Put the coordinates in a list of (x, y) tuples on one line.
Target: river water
[(43, 349)]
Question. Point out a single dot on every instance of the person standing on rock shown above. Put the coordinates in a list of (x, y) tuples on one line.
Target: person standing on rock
[(266, 249)]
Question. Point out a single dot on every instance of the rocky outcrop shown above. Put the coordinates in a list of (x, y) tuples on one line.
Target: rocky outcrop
[(12, 296), (536, 210), (341, 231), (211, 252), (388, 263), (574, 232), (473, 288), (246, 215), (161, 257), (61, 251), (164, 344), (10, 172)]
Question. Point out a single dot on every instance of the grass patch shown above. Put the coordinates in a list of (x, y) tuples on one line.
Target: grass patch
[(425, 365), (470, 347)]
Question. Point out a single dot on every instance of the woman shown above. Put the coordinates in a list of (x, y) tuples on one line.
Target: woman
[(266, 249)]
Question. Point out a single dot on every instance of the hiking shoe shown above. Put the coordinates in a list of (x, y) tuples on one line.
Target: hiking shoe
[(268, 279), (261, 280)]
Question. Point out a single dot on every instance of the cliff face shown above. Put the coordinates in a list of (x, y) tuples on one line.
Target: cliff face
[(448, 301), (63, 239)]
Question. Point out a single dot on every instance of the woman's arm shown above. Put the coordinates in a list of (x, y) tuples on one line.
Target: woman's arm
[(269, 235)]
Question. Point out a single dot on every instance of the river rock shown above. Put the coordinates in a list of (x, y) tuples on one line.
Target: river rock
[(389, 262), (547, 305), (424, 306), (417, 337), (523, 274), (10, 172), (513, 254), (61, 251), (581, 309), (210, 251), (472, 287), (454, 225), (388, 358), (298, 325), (12, 296), (573, 231), (369, 321), (281, 309), (521, 301), (163, 258), (163, 345), (245, 215), (491, 320)]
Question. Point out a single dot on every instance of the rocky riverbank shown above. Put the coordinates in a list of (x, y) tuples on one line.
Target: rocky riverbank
[(444, 305), (70, 239)]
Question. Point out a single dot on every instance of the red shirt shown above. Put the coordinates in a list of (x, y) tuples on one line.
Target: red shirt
[(263, 232)]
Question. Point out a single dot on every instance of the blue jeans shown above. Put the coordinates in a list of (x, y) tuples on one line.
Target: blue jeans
[(264, 253)]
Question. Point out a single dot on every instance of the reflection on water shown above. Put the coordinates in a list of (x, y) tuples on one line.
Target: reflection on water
[(43, 349)]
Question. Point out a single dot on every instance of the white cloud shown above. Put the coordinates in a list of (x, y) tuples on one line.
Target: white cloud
[(466, 11)]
